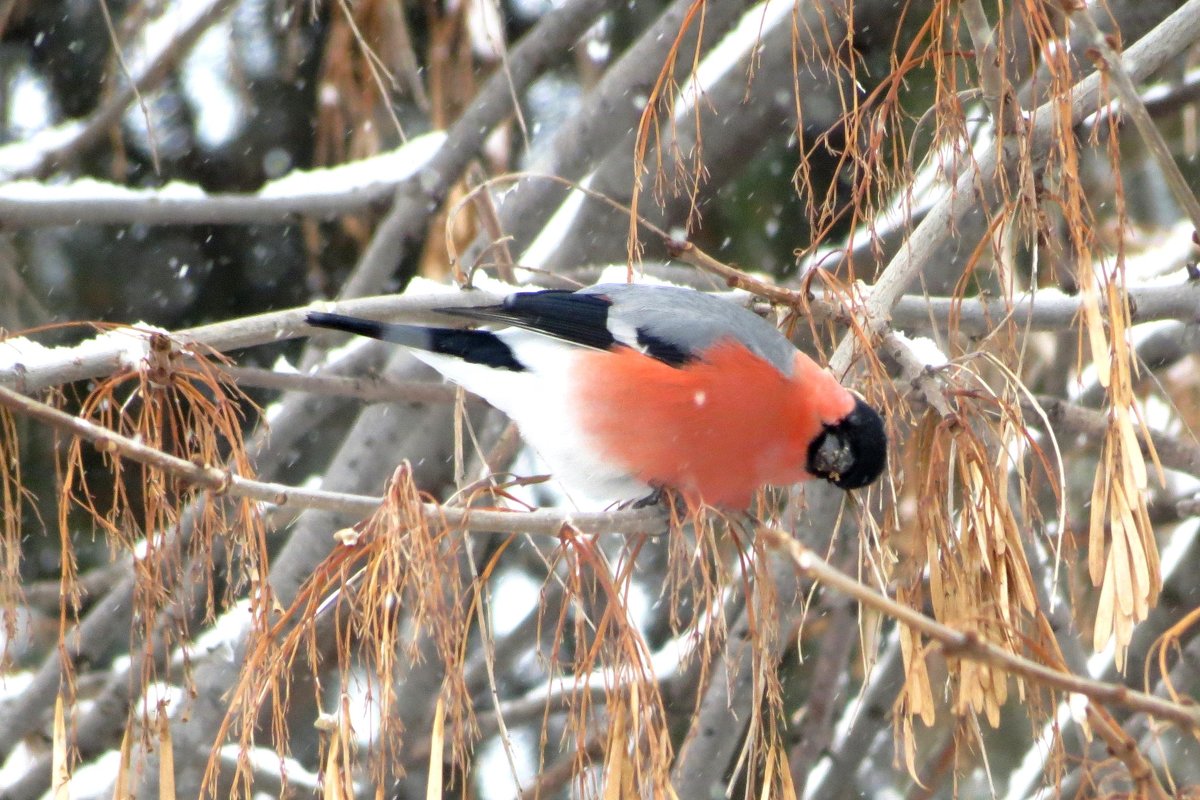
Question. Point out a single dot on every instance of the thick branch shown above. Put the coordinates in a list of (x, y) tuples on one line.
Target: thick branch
[(54, 367), (997, 96), (1173, 451), (609, 112), (827, 683), (735, 685), (1131, 103), (404, 227), (867, 720), (323, 193), (369, 389), (1048, 309)]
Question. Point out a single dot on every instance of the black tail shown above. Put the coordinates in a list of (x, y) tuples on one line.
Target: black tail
[(476, 347), (356, 325)]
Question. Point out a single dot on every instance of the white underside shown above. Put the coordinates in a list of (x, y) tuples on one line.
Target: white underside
[(540, 402)]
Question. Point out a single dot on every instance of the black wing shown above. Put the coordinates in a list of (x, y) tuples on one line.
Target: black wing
[(671, 324), (566, 315), (477, 347)]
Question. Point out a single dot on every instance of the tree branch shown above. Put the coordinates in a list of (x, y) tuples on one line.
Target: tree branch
[(868, 723), (404, 227), (1112, 66), (220, 481), (46, 151), (962, 644), (369, 389), (609, 112), (1048, 309), (323, 193), (1173, 451), (1165, 41)]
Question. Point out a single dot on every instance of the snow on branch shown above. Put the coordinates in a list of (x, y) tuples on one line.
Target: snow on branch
[(45, 152), (318, 192)]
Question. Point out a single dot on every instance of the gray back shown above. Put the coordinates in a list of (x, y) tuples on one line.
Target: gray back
[(691, 321)]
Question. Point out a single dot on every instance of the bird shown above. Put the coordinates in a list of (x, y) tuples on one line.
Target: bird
[(627, 390)]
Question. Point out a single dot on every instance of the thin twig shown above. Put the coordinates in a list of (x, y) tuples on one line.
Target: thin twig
[(1122, 745), (967, 644), (377, 69), (151, 136), (485, 208), (737, 279), (220, 481)]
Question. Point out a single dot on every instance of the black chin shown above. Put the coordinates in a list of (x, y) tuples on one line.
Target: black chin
[(810, 462)]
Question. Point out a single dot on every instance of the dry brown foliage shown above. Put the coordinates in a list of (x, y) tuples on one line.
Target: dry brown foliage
[(970, 553)]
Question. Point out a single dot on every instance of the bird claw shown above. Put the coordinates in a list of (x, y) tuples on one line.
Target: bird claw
[(652, 499), (661, 496)]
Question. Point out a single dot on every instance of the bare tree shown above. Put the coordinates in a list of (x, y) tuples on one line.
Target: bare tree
[(241, 558)]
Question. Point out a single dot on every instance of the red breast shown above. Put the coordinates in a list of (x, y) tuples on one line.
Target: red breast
[(717, 428)]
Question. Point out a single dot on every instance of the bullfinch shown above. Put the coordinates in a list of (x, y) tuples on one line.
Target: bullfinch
[(625, 390)]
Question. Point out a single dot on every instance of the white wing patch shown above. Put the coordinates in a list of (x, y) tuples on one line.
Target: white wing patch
[(624, 332)]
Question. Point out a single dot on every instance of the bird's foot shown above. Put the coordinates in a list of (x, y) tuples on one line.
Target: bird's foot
[(652, 499), (671, 502)]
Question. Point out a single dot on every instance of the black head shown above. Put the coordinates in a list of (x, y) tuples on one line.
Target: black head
[(852, 452)]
